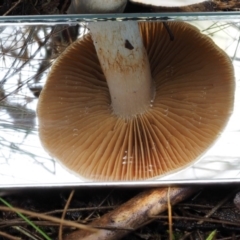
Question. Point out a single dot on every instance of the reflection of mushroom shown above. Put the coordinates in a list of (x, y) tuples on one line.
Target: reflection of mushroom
[(168, 3), (87, 128), (177, 5), (97, 6), (189, 5)]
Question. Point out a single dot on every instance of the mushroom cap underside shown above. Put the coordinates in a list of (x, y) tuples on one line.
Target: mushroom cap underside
[(194, 82)]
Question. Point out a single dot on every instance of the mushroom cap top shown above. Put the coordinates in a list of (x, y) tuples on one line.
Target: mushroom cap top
[(96, 6), (168, 3), (194, 82)]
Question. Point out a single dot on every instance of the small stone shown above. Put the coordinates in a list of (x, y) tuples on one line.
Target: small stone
[(237, 200)]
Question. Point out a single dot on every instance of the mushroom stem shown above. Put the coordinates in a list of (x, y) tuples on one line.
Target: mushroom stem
[(125, 64)]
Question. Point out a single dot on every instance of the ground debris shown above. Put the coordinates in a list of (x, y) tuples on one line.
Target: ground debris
[(88, 205)]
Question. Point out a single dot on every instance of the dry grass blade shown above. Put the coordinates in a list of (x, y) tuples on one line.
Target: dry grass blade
[(170, 216), (8, 236), (26, 233), (209, 220), (49, 218), (64, 213), (133, 214)]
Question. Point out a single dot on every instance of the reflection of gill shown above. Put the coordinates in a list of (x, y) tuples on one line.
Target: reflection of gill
[(75, 132), (151, 103), (165, 112), (169, 72), (149, 168), (127, 159), (203, 94), (86, 110)]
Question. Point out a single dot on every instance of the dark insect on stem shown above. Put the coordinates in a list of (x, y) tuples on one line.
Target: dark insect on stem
[(128, 45), (168, 31)]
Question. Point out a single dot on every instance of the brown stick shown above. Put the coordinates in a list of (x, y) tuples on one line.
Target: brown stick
[(133, 214)]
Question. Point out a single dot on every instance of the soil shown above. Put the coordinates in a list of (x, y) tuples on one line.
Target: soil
[(210, 210)]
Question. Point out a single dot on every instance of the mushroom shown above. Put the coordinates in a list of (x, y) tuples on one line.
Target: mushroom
[(112, 111), (96, 6), (168, 3), (189, 5)]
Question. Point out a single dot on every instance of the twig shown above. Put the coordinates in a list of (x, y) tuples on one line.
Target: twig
[(10, 9), (133, 214), (64, 213), (82, 209), (230, 238)]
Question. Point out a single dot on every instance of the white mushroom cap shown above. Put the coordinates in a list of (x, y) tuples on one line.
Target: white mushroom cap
[(96, 6), (168, 3)]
